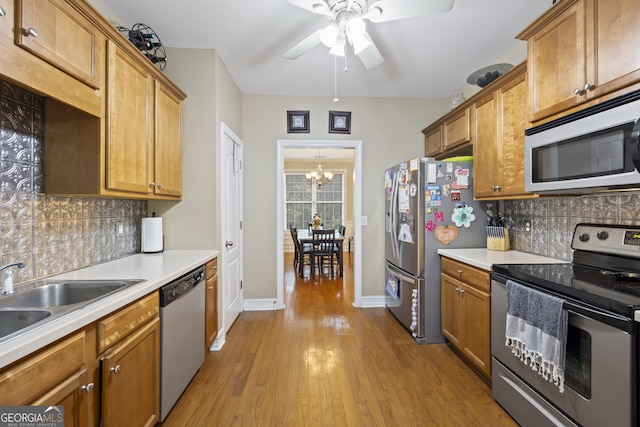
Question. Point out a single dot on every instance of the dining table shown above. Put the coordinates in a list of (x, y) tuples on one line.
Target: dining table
[(305, 236)]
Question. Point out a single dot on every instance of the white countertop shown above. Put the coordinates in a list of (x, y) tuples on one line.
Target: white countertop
[(484, 258), (156, 269)]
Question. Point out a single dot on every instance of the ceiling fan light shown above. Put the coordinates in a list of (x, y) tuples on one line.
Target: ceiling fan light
[(321, 7), (355, 28), (338, 48), (329, 34), (360, 44), (374, 12)]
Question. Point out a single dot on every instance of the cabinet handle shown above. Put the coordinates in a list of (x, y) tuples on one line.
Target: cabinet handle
[(87, 388), (577, 91), (153, 184), (2, 12), (115, 369), (496, 187), (587, 87), (30, 32), (459, 272), (159, 186), (210, 288)]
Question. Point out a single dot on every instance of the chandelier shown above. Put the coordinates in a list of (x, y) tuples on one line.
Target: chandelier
[(318, 176)]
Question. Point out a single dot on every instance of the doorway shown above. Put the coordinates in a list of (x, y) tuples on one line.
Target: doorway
[(357, 210)]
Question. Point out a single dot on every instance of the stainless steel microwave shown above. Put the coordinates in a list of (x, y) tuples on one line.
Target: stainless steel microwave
[(592, 150)]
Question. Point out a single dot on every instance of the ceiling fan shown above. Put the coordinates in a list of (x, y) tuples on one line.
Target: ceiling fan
[(347, 25)]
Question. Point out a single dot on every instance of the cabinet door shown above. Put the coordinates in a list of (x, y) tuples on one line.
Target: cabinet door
[(457, 130), (433, 142), (556, 62), (60, 35), (6, 20), (616, 54), (450, 310), (131, 380), (486, 148), (211, 306), (71, 394), (511, 98), (476, 331), (168, 142), (128, 124)]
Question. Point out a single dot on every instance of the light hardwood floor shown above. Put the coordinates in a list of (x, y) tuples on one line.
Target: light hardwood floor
[(321, 362)]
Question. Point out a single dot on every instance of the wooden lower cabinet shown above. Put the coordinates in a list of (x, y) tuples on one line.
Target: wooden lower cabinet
[(71, 394), (53, 376), (465, 312), (131, 380), (211, 303)]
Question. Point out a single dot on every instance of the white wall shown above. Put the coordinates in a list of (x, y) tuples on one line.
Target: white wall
[(390, 130)]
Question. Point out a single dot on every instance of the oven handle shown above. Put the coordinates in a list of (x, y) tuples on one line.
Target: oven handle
[(617, 321)]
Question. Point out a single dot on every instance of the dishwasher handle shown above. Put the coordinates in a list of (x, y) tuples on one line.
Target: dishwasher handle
[(181, 286)]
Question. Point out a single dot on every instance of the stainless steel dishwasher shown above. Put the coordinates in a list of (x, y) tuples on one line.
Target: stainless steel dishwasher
[(182, 318)]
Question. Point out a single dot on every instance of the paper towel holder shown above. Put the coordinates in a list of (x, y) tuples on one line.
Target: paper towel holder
[(152, 239)]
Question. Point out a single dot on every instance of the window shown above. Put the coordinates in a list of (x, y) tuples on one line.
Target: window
[(303, 200)]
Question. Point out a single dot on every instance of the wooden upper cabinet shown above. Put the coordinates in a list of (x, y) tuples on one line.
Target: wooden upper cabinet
[(6, 19), (450, 134), (433, 141), (456, 129), (57, 33), (498, 135), (578, 51), (168, 142), (129, 125)]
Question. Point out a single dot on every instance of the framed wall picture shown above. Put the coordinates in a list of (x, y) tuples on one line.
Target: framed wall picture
[(298, 121), (339, 121)]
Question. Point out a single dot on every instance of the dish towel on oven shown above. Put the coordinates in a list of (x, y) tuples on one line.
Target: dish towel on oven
[(536, 330)]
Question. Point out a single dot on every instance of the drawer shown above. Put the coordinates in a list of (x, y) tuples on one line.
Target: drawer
[(472, 276), (212, 267), (114, 328), (25, 381)]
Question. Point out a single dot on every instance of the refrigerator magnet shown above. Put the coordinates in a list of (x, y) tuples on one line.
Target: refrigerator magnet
[(413, 190), (463, 216), (445, 233), (455, 195)]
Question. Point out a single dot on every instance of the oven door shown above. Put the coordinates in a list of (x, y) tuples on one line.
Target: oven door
[(599, 370)]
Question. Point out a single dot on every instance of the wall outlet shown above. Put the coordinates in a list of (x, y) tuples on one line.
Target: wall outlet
[(119, 228), (364, 220)]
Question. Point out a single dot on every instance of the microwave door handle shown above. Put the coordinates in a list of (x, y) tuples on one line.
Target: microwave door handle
[(635, 141)]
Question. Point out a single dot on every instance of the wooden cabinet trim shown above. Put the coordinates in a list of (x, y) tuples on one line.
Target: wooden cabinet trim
[(118, 326), (38, 373)]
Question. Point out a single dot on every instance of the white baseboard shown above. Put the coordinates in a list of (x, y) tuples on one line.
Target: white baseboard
[(259, 304), (372, 301)]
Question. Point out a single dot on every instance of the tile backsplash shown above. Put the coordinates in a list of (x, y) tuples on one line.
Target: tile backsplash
[(51, 234), (552, 220)]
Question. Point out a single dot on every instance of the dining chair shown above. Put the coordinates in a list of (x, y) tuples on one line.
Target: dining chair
[(303, 253), (323, 250)]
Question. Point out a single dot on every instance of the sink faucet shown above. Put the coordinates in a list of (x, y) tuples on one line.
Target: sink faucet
[(7, 276)]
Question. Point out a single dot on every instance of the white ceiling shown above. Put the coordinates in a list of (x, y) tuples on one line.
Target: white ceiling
[(425, 57)]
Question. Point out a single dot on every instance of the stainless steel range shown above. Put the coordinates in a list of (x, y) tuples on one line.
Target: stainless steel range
[(601, 292)]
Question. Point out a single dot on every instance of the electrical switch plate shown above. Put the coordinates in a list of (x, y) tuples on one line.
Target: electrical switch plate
[(364, 220), (119, 228)]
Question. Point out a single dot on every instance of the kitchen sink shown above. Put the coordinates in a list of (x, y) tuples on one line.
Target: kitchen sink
[(64, 293), (37, 303), (12, 321)]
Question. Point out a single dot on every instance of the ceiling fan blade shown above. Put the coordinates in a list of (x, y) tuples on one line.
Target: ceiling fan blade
[(390, 10), (316, 6), (370, 56), (308, 43)]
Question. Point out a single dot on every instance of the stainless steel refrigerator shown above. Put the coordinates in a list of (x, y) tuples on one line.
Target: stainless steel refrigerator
[(429, 205)]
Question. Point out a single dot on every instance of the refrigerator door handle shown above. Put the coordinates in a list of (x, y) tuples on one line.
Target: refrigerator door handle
[(393, 206), (400, 275)]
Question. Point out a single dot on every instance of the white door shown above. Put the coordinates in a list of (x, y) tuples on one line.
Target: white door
[(232, 240)]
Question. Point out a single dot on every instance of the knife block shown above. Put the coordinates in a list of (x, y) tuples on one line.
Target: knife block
[(498, 238)]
